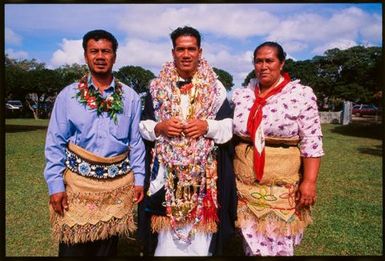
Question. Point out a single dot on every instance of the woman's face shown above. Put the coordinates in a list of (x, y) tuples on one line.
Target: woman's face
[(267, 66)]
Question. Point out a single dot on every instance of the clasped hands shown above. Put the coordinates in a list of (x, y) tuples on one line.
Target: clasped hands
[(174, 127)]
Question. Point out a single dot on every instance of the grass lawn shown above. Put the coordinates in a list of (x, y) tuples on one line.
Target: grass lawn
[(347, 216)]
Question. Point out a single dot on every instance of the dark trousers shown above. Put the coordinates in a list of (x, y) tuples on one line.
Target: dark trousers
[(106, 247)]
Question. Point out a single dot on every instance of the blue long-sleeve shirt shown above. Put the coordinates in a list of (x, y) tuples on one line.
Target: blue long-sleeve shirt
[(72, 122)]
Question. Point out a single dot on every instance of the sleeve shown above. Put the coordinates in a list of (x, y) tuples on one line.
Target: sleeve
[(148, 123), (220, 129), (58, 133), (310, 126), (137, 149)]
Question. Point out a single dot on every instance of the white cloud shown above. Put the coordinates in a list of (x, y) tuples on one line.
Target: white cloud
[(372, 31), (225, 20), (71, 51), (17, 54), (301, 31), (11, 37), (341, 44), (148, 54), (230, 32)]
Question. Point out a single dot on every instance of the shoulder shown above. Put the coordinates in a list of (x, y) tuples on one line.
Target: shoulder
[(245, 92), (221, 91), (68, 92), (295, 87), (129, 92)]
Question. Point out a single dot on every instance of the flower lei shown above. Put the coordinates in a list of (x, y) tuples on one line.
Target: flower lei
[(92, 98), (188, 160)]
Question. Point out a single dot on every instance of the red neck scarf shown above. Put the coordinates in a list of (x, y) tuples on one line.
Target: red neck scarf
[(254, 126)]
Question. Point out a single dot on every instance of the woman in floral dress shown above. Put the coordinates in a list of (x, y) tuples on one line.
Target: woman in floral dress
[(277, 158)]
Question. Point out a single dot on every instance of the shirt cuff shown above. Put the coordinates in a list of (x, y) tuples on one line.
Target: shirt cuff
[(139, 179), (56, 187), (220, 131), (147, 129)]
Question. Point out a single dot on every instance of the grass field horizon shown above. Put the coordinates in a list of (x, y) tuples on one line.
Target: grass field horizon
[(347, 216)]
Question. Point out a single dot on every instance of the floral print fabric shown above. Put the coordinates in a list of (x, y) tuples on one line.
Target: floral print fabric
[(257, 244), (292, 112)]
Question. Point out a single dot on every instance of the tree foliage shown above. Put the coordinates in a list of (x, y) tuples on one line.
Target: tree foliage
[(32, 82), (70, 73), (225, 77), (353, 74), (136, 77)]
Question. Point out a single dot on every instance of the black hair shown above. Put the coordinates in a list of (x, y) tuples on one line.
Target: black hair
[(280, 53), (185, 31), (97, 35)]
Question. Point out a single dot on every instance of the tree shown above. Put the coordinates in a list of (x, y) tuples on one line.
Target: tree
[(225, 78), (14, 79), (354, 74), (70, 73), (42, 84), (250, 76), (135, 77)]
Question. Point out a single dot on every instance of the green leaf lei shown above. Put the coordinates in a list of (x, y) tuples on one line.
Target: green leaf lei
[(92, 99)]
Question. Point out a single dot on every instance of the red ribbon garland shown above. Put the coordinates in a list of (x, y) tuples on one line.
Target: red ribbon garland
[(254, 121)]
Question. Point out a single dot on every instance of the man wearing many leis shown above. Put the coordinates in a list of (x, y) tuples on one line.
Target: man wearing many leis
[(190, 202), (94, 156)]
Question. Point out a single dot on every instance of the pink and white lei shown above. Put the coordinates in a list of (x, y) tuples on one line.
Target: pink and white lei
[(183, 157)]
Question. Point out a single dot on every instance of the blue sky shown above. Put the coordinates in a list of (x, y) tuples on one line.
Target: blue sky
[(52, 33)]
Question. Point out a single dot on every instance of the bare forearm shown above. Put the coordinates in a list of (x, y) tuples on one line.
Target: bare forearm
[(311, 167)]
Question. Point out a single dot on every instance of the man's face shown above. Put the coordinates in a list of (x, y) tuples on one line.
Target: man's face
[(186, 55), (100, 56)]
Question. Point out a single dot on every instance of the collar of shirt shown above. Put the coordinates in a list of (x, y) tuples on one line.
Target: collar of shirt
[(107, 91), (183, 79)]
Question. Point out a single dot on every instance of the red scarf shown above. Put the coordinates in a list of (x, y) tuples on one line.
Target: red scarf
[(254, 125)]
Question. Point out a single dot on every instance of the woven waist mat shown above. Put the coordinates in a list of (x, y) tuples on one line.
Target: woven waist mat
[(276, 191), (282, 165), (98, 208)]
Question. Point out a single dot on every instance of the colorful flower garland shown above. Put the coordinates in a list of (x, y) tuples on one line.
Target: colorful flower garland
[(92, 98), (185, 158)]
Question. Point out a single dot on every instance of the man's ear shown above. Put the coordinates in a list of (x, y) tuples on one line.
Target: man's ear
[(85, 57), (173, 53)]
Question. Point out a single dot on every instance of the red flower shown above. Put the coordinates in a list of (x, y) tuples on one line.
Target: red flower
[(82, 85), (185, 88), (91, 102), (93, 99)]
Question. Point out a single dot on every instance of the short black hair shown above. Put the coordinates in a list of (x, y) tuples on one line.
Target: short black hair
[(280, 53), (185, 31), (97, 35)]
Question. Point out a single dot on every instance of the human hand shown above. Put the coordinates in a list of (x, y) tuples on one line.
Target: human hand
[(170, 128), (306, 194), (59, 202), (195, 128), (138, 194)]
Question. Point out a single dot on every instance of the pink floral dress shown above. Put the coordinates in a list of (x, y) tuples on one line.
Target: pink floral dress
[(291, 113)]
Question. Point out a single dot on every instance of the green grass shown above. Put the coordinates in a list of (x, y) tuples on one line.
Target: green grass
[(347, 216)]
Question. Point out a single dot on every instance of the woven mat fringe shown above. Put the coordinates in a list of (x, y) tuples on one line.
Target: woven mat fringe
[(281, 227), (86, 233), (159, 223)]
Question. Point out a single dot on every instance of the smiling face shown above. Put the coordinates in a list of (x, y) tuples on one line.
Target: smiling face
[(186, 55), (267, 66), (100, 56)]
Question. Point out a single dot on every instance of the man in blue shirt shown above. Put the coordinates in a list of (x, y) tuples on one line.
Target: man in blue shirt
[(94, 156)]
